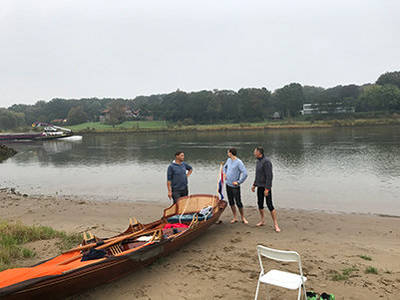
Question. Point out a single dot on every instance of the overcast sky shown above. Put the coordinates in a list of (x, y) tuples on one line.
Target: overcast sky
[(74, 49)]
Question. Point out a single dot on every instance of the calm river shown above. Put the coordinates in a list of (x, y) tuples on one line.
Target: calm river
[(349, 170)]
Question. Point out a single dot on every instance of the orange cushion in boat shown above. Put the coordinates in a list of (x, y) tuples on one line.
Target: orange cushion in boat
[(51, 267)]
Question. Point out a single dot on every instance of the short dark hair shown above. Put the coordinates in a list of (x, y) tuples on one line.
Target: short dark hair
[(233, 151), (260, 149), (178, 153)]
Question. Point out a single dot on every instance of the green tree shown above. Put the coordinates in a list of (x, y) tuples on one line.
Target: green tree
[(289, 99), (117, 112), (379, 98), (76, 115), (312, 94), (253, 103), (10, 119), (389, 78)]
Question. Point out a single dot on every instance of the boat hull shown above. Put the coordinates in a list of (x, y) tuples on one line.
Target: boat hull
[(31, 137), (74, 282)]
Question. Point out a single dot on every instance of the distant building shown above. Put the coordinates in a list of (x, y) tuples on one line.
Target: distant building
[(313, 109), (105, 115), (59, 121)]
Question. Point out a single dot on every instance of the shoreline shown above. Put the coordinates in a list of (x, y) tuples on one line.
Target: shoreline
[(222, 263), (163, 202), (245, 126)]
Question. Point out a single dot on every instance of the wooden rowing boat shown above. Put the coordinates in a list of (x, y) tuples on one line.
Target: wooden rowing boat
[(97, 261)]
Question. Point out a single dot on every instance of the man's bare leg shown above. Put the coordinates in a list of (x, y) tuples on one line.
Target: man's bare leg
[(262, 219), (242, 216), (274, 219), (234, 220)]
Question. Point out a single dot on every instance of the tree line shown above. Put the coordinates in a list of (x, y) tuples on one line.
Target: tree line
[(244, 105)]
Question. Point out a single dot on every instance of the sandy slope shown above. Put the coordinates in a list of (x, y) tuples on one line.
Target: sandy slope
[(222, 264)]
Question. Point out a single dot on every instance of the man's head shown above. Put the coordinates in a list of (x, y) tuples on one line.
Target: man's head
[(232, 152), (259, 152), (179, 156)]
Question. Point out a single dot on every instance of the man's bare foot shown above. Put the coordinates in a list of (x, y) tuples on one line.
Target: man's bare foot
[(261, 223), (245, 221), (234, 221), (277, 229)]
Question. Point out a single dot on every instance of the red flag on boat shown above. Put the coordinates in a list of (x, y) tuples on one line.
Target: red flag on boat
[(221, 183)]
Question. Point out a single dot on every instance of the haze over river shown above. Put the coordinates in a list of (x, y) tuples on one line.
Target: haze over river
[(340, 169)]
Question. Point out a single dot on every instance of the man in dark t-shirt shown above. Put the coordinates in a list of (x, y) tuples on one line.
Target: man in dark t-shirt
[(177, 174)]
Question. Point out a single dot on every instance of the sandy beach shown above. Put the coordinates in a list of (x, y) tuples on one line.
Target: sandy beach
[(222, 264)]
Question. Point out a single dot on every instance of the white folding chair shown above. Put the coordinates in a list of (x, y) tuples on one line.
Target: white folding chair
[(279, 278)]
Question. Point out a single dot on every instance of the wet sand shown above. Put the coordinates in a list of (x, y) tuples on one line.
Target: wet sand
[(222, 263)]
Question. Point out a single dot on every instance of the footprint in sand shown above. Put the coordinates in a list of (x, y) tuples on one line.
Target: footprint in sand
[(227, 249), (236, 240)]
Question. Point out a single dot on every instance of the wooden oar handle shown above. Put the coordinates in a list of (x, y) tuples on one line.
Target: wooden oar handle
[(110, 243)]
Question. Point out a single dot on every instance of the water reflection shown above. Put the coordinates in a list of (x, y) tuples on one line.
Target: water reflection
[(323, 168)]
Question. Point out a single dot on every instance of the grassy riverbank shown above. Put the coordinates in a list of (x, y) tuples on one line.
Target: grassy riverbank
[(146, 126), (15, 239)]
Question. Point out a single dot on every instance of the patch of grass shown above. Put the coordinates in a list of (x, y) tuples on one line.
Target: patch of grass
[(125, 125), (344, 275), (371, 270), (336, 276), (348, 271), (365, 257), (14, 235)]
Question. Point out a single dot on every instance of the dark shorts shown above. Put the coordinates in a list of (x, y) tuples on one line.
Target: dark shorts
[(179, 193), (234, 196), (268, 199)]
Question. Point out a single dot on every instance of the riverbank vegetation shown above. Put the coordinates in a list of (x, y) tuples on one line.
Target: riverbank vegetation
[(15, 236), (154, 126), (179, 109)]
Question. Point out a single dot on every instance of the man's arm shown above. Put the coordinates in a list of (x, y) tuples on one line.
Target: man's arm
[(268, 177), (243, 173), (268, 174), (169, 179), (169, 189), (189, 169), (225, 167)]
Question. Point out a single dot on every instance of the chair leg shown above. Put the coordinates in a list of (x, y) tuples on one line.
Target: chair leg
[(305, 293), (258, 287)]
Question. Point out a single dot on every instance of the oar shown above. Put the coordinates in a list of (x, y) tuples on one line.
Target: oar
[(108, 244), (84, 247), (87, 246)]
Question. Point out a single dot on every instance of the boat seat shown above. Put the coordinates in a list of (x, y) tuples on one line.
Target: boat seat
[(132, 245), (187, 218)]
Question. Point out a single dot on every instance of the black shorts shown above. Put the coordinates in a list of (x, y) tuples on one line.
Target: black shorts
[(261, 196), (179, 193), (234, 196)]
